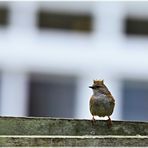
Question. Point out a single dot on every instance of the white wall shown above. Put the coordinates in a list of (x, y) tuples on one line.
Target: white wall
[(106, 53)]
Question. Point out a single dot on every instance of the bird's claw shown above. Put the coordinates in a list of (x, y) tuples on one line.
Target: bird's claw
[(109, 122), (93, 120)]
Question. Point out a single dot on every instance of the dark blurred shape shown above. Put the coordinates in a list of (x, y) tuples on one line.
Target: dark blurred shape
[(135, 100), (136, 26), (65, 21), (3, 16), (52, 96)]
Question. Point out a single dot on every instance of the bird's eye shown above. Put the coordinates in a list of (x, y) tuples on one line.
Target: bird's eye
[(97, 86)]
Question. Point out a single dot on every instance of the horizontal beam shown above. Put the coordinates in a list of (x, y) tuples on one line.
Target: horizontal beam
[(72, 127), (73, 140)]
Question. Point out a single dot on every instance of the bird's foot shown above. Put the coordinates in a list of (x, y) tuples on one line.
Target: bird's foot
[(109, 122), (93, 120)]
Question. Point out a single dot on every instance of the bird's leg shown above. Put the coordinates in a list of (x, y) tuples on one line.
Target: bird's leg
[(93, 120), (109, 122)]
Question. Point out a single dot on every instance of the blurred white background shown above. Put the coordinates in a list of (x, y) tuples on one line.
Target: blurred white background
[(50, 52)]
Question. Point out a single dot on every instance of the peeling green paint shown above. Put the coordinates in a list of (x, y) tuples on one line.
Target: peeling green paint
[(55, 126), (40, 131), (73, 141)]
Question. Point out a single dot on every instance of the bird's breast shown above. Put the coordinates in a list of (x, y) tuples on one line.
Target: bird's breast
[(100, 105)]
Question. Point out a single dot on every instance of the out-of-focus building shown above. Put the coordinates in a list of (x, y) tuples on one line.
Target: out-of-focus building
[(51, 51)]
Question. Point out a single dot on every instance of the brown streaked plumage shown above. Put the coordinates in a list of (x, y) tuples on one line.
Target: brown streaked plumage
[(101, 102)]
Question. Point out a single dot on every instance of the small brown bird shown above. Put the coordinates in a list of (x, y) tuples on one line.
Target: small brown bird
[(101, 102)]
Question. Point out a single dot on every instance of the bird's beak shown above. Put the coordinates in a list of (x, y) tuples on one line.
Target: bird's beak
[(91, 87)]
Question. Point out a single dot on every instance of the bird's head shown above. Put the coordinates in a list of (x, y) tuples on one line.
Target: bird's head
[(97, 84)]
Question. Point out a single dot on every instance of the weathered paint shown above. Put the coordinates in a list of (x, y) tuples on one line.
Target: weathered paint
[(73, 141), (55, 126)]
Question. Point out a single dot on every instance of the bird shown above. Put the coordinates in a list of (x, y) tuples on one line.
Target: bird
[(102, 102)]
